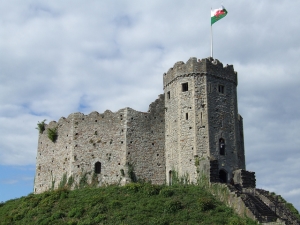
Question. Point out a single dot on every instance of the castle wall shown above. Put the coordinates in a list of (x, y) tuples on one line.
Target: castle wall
[(146, 142), (181, 131), (99, 138), (53, 158)]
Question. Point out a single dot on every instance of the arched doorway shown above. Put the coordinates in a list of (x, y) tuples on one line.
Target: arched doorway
[(223, 176), (97, 167)]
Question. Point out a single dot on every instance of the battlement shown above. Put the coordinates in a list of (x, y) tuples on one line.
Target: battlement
[(194, 67)]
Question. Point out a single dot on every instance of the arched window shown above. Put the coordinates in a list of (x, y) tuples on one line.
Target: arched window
[(97, 167), (223, 176), (222, 146)]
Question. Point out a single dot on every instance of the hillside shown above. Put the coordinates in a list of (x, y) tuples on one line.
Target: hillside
[(134, 203)]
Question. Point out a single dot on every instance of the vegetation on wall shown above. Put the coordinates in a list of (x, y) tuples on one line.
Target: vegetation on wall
[(130, 172), (41, 126), (52, 134)]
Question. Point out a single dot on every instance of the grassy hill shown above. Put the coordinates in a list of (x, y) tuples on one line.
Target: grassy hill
[(134, 203)]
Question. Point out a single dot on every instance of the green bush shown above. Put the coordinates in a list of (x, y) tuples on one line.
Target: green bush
[(206, 203), (167, 192), (41, 126), (52, 134), (173, 206)]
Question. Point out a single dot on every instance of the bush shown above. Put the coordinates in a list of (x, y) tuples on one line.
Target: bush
[(41, 126), (100, 218), (173, 206), (206, 203), (151, 189), (166, 192), (52, 134)]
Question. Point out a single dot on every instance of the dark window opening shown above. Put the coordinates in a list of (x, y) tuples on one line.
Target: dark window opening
[(185, 87), (170, 177), (97, 167), (169, 95), (222, 146), (223, 176), (221, 89), (186, 116)]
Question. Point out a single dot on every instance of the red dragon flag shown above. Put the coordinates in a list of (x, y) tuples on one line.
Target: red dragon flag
[(217, 14)]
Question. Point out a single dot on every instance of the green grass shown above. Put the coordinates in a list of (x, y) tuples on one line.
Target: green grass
[(135, 203)]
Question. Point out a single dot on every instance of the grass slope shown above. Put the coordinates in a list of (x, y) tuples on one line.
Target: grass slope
[(134, 203)]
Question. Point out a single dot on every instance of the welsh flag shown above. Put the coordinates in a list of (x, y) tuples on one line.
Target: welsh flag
[(217, 14)]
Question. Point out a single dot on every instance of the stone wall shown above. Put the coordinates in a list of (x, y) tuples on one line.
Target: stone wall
[(146, 142)]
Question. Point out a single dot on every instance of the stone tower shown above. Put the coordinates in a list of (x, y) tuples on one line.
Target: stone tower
[(203, 130)]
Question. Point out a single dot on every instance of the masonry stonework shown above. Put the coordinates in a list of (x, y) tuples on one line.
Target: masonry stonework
[(193, 128)]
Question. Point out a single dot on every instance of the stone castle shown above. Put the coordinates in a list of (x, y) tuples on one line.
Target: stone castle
[(191, 131), (193, 128)]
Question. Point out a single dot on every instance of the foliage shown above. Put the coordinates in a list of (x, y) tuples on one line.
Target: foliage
[(41, 126), (83, 182), (134, 203), (122, 172), (70, 182), (63, 181), (130, 172), (52, 134)]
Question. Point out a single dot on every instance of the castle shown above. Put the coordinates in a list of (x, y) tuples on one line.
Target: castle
[(193, 128), (191, 131)]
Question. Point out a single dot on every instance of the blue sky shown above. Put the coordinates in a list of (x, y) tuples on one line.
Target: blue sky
[(61, 57)]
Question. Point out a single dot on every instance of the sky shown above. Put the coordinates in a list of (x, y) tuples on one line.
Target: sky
[(61, 57)]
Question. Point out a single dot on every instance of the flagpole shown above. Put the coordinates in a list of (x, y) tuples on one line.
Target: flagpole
[(211, 42), (211, 38)]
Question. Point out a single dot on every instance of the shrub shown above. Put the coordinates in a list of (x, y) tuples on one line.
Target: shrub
[(151, 189), (167, 192), (134, 187), (41, 126), (206, 203), (173, 206), (52, 134), (100, 218)]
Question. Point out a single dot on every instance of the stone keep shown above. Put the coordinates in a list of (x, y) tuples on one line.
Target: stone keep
[(193, 128)]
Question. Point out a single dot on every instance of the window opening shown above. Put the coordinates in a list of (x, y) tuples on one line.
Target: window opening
[(223, 176), (186, 116), (169, 95), (221, 89), (170, 177), (222, 146), (97, 167), (185, 87)]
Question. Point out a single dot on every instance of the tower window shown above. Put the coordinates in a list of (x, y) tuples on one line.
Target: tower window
[(186, 116), (97, 167), (185, 87), (222, 146), (221, 89), (169, 95)]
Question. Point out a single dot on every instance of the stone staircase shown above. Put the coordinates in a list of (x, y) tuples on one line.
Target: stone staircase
[(261, 211)]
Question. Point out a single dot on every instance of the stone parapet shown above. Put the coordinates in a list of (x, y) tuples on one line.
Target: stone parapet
[(193, 67)]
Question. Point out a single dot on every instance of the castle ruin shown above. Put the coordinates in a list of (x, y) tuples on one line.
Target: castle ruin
[(193, 128), (191, 131)]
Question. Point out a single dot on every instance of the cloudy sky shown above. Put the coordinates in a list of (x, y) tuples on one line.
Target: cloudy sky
[(60, 57)]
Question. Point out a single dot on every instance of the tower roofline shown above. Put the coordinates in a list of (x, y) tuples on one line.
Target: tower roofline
[(201, 66)]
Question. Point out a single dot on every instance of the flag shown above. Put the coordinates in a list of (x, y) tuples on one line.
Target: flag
[(217, 14)]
